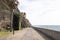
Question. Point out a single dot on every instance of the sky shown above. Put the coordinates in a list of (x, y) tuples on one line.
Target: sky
[(41, 12)]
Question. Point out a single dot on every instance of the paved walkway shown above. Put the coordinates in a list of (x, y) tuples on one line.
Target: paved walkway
[(25, 34)]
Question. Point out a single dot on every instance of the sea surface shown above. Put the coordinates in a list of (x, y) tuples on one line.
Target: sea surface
[(50, 27)]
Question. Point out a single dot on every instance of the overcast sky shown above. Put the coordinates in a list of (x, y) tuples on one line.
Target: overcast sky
[(41, 12)]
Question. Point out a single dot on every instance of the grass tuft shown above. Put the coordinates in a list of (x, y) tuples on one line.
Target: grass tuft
[(4, 33)]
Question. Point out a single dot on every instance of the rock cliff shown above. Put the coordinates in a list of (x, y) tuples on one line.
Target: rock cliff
[(5, 15)]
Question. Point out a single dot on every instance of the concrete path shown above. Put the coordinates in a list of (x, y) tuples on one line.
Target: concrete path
[(26, 34)]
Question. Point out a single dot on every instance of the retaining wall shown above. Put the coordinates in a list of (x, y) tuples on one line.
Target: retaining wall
[(53, 34)]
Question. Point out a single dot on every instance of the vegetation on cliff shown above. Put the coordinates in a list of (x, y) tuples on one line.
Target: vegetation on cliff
[(24, 21)]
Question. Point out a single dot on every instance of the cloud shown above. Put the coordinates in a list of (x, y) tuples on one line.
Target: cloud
[(41, 12)]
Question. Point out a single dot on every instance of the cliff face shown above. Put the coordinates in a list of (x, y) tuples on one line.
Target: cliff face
[(5, 13), (5, 16)]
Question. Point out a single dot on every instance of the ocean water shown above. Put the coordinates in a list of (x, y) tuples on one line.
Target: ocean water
[(50, 27)]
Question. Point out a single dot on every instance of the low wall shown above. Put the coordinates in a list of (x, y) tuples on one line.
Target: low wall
[(53, 34)]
